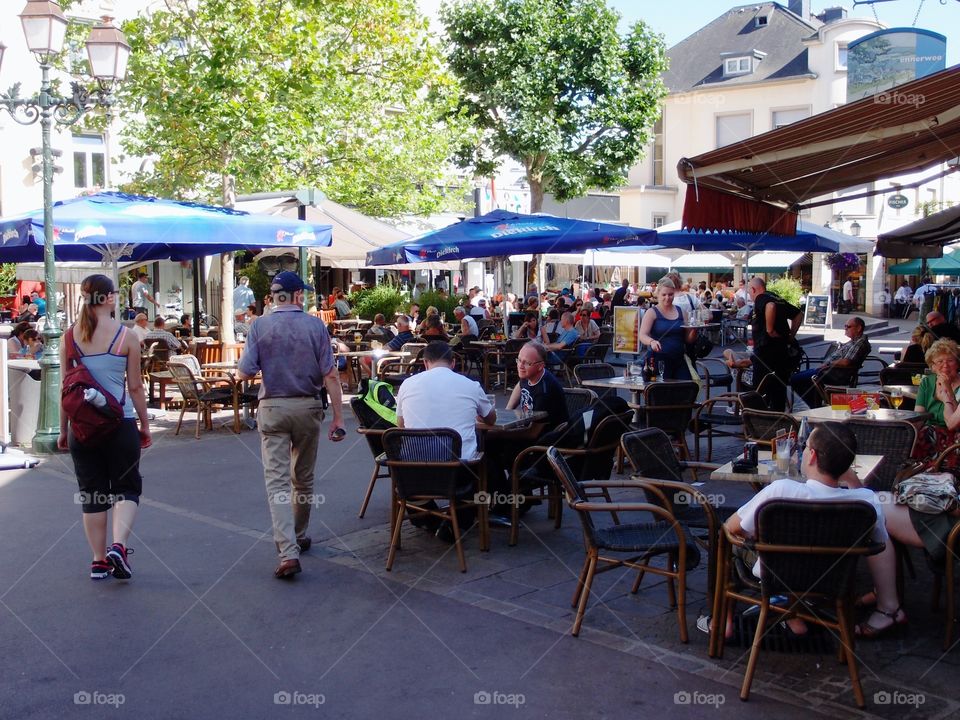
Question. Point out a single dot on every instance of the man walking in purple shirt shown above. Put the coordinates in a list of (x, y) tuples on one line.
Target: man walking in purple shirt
[(291, 350)]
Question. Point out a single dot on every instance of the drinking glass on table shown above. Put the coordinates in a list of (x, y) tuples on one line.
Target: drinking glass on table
[(784, 453), (635, 370), (896, 399), (661, 368)]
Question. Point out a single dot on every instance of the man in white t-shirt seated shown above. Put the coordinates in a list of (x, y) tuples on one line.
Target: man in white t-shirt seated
[(463, 400), (468, 326), (830, 451)]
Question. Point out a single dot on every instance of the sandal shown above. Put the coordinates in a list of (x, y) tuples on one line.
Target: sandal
[(867, 600), (872, 632)]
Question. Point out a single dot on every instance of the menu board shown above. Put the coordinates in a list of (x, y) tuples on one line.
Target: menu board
[(817, 313), (626, 330)]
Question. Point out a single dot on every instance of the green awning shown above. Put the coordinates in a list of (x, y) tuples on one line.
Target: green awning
[(949, 264)]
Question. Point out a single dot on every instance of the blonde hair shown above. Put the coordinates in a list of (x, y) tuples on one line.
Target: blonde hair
[(666, 282), (943, 346)]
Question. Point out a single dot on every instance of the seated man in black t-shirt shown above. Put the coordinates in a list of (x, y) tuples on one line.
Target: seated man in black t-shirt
[(538, 388)]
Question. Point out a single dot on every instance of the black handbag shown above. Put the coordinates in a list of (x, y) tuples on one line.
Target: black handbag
[(699, 348)]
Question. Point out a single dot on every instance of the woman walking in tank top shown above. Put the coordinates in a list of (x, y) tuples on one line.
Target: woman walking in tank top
[(108, 473), (661, 329)]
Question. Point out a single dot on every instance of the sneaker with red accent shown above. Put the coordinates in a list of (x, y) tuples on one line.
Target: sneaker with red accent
[(117, 557), (100, 569)]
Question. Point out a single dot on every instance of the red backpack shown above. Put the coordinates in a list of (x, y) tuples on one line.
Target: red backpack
[(91, 425)]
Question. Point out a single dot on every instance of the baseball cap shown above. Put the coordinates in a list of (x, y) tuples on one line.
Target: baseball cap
[(288, 281)]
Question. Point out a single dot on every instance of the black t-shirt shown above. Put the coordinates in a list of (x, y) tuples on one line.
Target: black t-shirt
[(619, 297), (546, 395), (785, 314)]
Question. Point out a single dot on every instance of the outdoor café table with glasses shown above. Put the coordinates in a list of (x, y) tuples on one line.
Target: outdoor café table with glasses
[(826, 413), (634, 383), (767, 470), (507, 421)]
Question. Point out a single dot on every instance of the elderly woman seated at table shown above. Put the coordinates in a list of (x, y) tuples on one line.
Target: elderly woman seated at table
[(939, 395)]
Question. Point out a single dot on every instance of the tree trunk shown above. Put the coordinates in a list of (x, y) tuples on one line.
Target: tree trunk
[(536, 204), (226, 269)]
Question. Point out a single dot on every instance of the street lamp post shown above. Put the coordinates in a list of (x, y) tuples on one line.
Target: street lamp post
[(44, 27)]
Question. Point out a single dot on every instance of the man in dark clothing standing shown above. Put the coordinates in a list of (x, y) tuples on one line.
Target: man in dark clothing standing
[(774, 326), (620, 295)]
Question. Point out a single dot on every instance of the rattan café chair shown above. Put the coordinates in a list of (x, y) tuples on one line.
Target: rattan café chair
[(425, 465), (808, 552), (640, 541)]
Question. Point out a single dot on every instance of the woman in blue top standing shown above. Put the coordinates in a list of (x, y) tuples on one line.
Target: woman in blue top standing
[(661, 329), (109, 472)]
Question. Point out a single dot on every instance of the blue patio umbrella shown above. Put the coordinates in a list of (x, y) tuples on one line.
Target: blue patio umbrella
[(807, 239), (109, 226), (500, 233)]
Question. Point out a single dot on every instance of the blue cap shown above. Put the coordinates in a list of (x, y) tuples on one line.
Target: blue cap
[(288, 281)]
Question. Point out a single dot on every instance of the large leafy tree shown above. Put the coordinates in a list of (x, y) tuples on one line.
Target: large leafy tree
[(553, 85), (345, 94), (236, 96)]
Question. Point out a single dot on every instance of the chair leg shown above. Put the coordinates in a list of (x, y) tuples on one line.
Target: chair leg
[(682, 603), (180, 419), (585, 592), (846, 637), (639, 579), (754, 650), (199, 415), (581, 579), (457, 541), (366, 498), (395, 540)]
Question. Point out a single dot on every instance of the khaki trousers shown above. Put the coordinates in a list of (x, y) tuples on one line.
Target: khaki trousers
[(289, 433)]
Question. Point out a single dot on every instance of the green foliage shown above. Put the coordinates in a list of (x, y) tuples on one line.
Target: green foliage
[(555, 87), (381, 299), (787, 288), (445, 304), (346, 95), (8, 279)]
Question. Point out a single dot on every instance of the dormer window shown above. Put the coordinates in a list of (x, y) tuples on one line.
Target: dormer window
[(735, 63), (761, 21)]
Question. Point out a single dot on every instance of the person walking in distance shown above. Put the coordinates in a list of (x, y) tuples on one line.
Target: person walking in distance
[(108, 473), (292, 351), (140, 293)]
